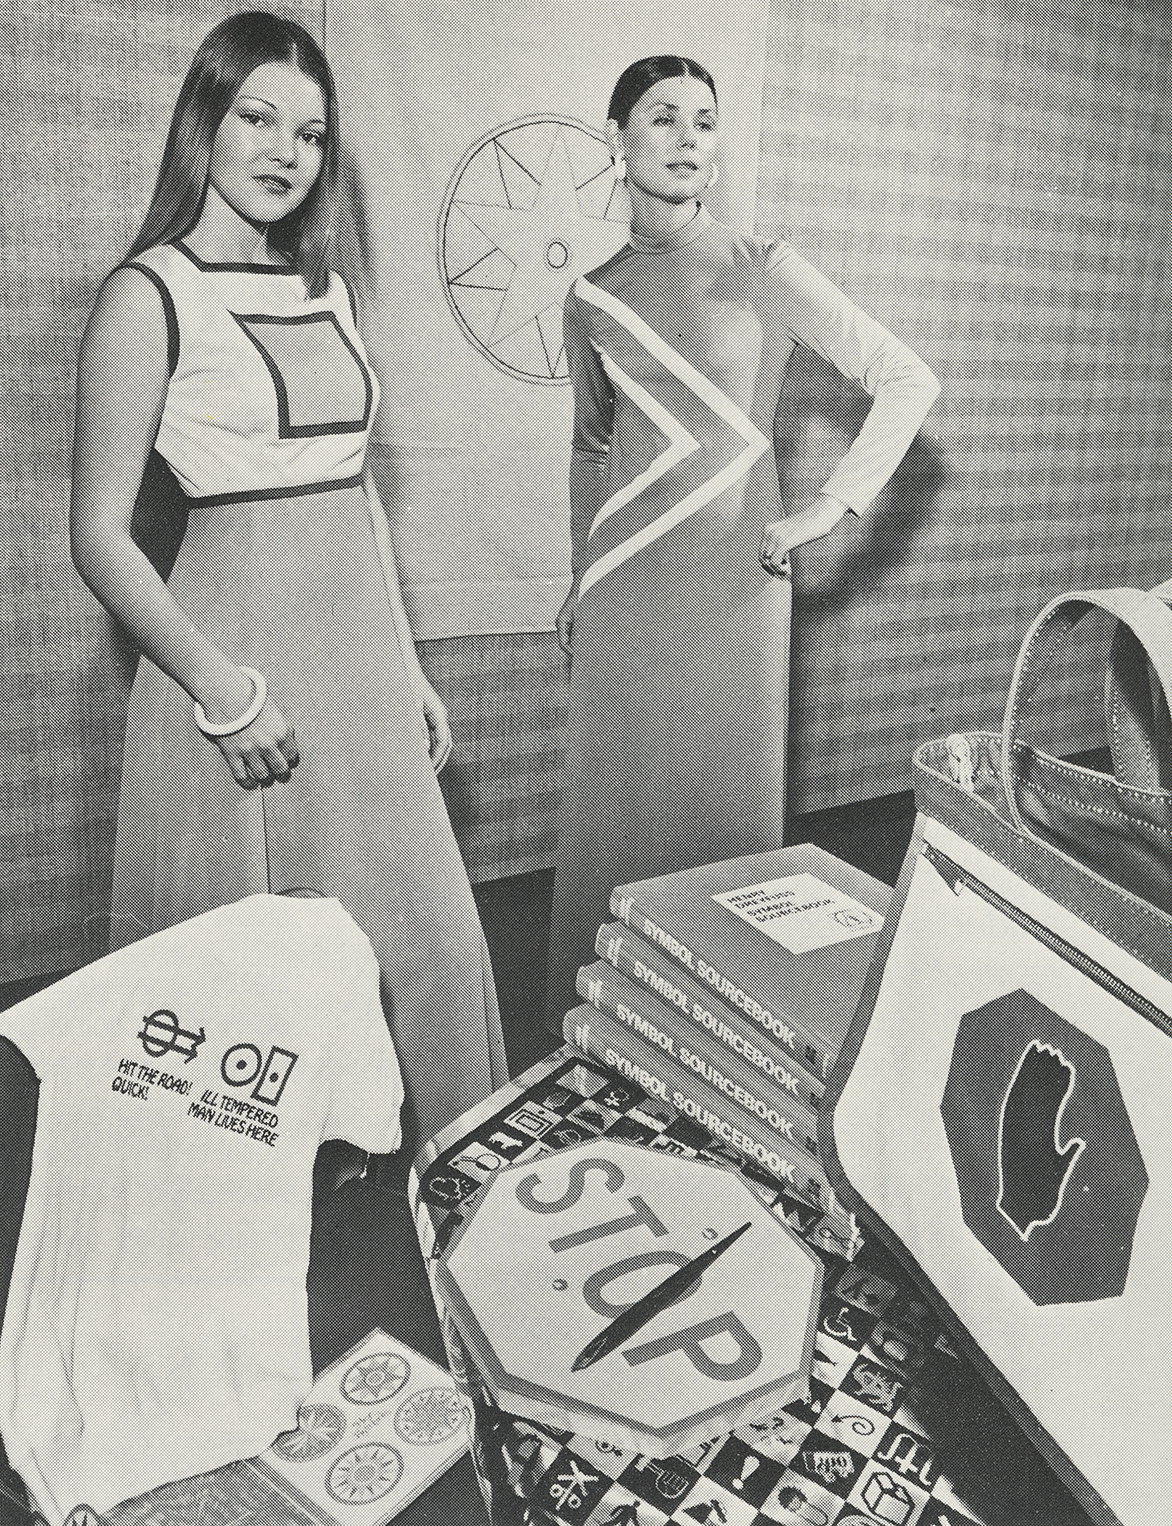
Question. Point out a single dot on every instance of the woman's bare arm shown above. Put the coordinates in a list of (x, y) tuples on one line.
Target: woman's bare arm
[(121, 388)]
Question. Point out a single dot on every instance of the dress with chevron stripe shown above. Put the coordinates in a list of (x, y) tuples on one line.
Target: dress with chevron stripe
[(679, 680)]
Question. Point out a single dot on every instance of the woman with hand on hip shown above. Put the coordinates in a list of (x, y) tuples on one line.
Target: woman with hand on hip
[(678, 618), (281, 732)]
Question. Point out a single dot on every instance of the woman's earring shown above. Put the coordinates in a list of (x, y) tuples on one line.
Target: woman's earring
[(713, 176), (620, 167)]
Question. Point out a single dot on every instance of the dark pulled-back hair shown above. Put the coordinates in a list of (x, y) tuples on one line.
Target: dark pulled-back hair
[(226, 57), (638, 78)]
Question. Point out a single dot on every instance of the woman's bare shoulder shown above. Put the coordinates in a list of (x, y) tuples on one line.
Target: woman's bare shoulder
[(132, 326)]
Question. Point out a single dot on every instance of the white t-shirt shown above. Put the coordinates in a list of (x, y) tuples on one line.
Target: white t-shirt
[(156, 1325)]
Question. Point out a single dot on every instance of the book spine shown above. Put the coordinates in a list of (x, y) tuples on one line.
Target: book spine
[(604, 1038), (760, 1047), (654, 1022), (803, 1046)]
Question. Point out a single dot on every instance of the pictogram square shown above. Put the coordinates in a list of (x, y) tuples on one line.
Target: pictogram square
[(810, 1408), (710, 1504), (570, 1489), (599, 1119), (909, 1454), (866, 1291), (744, 1471), (532, 1119), (558, 1099), (663, 1484), (602, 1456), (799, 1501), (845, 1322), (890, 1499), (875, 1385), (832, 1360), (584, 1081), (778, 1438), (619, 1507), (505, 1141), (449, 1188), (900, 1348), (630, 1128), (828, 1462), (856, 1423)]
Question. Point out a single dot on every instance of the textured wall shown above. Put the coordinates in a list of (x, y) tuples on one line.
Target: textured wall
[(87, 93), (994, 182)]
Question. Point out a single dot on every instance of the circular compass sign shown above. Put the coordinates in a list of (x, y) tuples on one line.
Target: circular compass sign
[(531, 206)]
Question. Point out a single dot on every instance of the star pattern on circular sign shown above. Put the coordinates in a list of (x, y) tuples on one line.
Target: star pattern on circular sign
[(376, 1377), (319, 1429), (532, 206), (431, 1415), (365, 1474)]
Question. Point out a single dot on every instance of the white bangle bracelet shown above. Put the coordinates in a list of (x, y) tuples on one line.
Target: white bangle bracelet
[(257, 704)]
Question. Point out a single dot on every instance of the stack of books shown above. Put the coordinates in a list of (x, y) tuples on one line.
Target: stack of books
[(727, 992)]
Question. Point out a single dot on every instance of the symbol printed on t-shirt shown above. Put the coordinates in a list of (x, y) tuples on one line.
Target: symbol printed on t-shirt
[(242, 1065), (161, 1034)]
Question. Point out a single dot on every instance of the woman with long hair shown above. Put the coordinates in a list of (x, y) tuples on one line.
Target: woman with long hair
[(677, 622), (281, 732)]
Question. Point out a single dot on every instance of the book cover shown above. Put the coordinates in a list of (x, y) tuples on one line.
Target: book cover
[(697, 1054), (761, 1046), (378, 1426), (784, 937), (606, 1039)]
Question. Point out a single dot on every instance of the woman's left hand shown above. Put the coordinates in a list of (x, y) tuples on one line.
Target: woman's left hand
[(439, 732), (787, 534)]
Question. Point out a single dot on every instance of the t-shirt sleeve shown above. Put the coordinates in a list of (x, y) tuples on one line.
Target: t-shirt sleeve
[(365, 1085), (818, 316), (45, 1026)]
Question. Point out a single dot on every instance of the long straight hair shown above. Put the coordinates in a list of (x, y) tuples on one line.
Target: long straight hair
[(226, 57)]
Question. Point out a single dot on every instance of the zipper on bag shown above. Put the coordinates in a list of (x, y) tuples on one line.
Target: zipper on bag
[(954, 876)]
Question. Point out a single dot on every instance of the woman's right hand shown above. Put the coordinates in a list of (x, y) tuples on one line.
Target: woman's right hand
[(565, 623), (263, 752), (266, 750)]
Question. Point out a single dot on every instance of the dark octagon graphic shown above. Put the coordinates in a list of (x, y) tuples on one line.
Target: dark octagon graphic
[(1050, 1175)]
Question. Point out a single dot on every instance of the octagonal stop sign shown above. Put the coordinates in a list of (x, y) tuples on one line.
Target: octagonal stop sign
[(560, 1246)]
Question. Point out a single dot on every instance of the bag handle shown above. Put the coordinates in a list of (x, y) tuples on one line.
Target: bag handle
[(1138, 711), (1144, 637)]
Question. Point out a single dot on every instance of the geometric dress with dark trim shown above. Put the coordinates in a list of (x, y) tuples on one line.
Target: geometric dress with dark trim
[(679, 679), (283, 565)]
